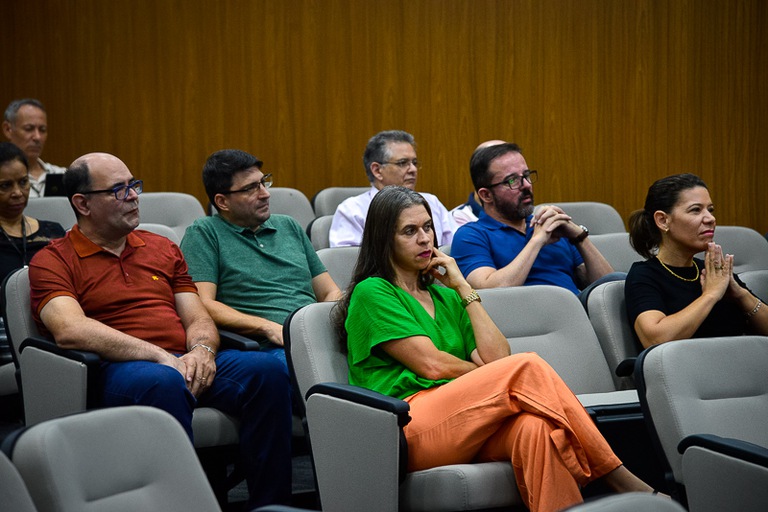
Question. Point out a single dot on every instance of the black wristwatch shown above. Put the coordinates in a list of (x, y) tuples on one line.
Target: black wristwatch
[(584, 234)]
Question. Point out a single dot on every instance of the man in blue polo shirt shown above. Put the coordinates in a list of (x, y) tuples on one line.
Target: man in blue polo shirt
[(252, 269), (509, 245)]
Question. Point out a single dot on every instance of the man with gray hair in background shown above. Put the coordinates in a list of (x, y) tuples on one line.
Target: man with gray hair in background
[(389, 159), (25, 124)]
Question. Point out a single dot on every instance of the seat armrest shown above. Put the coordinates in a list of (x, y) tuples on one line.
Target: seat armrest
[(56, 381), (358, 446), (82, 356), (724, 473), (365, 397), (743, 450), (236, 341), (626, 368)]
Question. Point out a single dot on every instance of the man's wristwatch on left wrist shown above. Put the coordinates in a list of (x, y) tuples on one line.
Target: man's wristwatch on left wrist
[(583, 235)]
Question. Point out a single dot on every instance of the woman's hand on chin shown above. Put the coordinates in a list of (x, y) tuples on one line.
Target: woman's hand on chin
[(451, 276)]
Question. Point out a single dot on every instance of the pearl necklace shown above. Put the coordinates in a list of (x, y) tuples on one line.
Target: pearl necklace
[(677, 276)]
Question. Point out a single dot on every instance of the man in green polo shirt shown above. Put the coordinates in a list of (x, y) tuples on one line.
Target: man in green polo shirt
[(252, 269)]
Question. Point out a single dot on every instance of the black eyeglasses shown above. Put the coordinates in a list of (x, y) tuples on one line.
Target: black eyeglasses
[(516, 181), (404, 164), (265, 182), (121, 191)]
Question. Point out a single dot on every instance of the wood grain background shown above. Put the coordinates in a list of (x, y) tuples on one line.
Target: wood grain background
[(604, 96)]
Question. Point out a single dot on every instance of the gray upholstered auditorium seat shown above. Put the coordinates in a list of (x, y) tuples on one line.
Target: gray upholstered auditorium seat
[(706, 400), (115, 459)]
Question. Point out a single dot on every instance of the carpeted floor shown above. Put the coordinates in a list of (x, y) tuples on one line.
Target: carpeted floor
[(304, 495)]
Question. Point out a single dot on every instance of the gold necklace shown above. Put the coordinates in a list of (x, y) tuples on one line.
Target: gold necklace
[(677, 276)]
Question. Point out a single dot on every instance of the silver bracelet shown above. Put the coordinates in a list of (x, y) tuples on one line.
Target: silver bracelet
[(206, 347), (755, 310)]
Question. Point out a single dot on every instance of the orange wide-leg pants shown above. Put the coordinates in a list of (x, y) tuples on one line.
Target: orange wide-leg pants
[(516, 409)]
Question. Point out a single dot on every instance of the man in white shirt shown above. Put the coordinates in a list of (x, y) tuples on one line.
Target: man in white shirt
[(25, 124), (389, 159)]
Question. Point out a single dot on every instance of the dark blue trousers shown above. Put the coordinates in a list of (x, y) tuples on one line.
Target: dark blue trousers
[(251, 386)]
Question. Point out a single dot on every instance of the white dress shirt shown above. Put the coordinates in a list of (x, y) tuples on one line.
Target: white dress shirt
[(349, 220)]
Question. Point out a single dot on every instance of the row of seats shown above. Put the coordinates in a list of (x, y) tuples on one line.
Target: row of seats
[(358, 445), (577, 369), (137, 459)]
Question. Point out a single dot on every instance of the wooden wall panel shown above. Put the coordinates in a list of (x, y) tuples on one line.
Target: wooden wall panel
[(604, 96)]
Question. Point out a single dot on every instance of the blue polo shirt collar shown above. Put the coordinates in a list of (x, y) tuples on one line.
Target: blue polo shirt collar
[(492, 224)]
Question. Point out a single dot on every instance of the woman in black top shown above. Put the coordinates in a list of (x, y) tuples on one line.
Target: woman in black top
[(673, 295), (20, 236)]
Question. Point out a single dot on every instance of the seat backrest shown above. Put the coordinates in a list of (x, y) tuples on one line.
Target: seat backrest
[(162, 230), (17, 310), (313, 347), (749, 248), (550, 321), (705, 386), (173, 209), (757, 281), (289, 201), (56, 209), (340, 262), (328, 199), (319, 230), (13, 493), (616, 249), (120, 458), (607, 312), (600, 218)]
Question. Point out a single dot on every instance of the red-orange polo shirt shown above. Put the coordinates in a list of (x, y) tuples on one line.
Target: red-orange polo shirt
[(132, 293)]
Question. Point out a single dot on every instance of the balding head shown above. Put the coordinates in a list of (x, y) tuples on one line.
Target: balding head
[(84, 171), (93, 171), (490, 143), (93, 183)]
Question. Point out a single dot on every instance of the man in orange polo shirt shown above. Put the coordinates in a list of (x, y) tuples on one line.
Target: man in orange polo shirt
[(126, 295)]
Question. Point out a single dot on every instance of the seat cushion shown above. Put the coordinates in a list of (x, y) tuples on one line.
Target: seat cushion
[(460, 487), (214, 428)]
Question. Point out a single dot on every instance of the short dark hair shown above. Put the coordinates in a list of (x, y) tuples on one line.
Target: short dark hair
[(10, 152), (376, 255), (663, 195), (220, 168), (13, 108), (77, 179), (482, 158), (377, 149)]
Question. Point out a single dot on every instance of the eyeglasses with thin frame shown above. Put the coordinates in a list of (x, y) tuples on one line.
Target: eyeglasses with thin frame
[(265, 182), (121, 191), (404, 164), (516, 181)]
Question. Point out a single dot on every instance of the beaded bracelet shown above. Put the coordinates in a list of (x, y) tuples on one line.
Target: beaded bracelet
[(754, 311)]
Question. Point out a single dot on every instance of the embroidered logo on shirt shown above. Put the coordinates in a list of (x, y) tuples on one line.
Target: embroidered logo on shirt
[(155, 278)]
